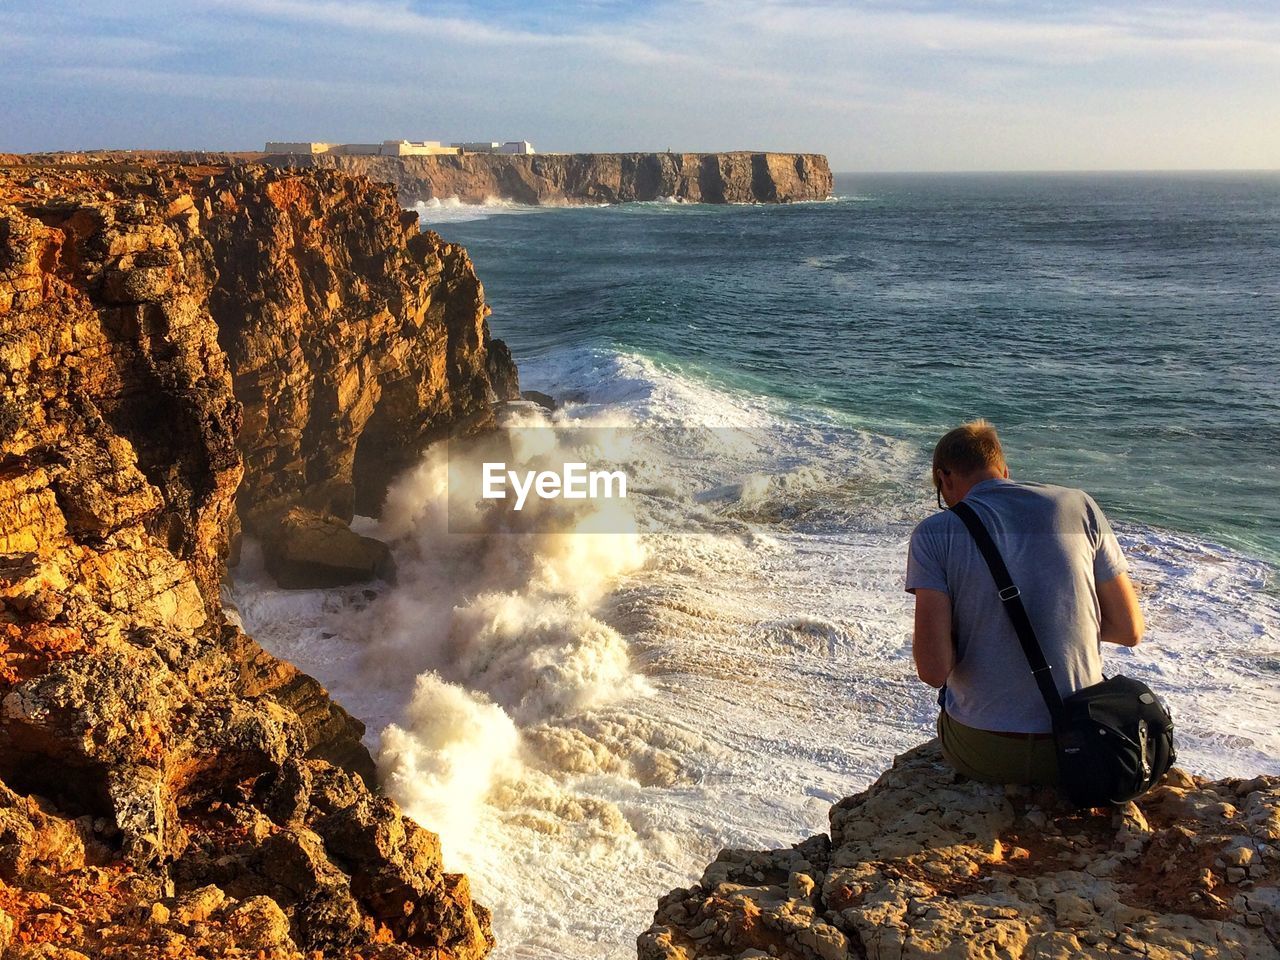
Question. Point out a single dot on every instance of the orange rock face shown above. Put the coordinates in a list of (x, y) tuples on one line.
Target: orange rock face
[(354, 338), (171, 337)]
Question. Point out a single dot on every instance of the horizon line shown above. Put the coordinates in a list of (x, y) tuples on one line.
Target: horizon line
[(1053, 170)]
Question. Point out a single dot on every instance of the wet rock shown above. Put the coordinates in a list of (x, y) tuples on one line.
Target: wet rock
[(307, 550), (544, 400)]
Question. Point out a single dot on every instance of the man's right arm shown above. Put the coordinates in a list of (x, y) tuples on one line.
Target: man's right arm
[(1122, 620), (932, 645)]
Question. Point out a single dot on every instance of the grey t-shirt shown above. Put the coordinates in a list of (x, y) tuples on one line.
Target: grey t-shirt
[(1058, 547)]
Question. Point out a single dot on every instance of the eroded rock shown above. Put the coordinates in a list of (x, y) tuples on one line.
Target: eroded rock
[(169, 788), (353, 338), (733, 177), (308, 550), (926, 863)]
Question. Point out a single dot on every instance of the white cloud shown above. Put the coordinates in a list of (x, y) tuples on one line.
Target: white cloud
[(70, 48), (875, 84), (262, 88), (396, 19)]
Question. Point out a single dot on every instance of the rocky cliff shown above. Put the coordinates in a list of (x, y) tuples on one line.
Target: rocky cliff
[(926, 863), (172, 338), (739, 177), (353, 338)]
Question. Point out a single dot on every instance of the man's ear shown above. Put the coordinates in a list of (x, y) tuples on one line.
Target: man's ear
[(1005, 471)]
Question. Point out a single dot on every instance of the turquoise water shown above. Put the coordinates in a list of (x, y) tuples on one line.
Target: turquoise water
[(1120, 330)]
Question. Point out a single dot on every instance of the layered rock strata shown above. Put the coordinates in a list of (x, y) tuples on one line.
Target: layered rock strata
[(168, 787), (738, 177), (354, 339), (926, 863)]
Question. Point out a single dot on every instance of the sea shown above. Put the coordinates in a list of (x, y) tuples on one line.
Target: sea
[(588, 714)]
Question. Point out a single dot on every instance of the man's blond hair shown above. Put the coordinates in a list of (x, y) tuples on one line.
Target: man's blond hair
[(969, 448)]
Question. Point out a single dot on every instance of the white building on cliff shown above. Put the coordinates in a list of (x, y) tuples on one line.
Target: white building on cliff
[(396, 148), (410, 148), (520, 147), (387, 148)]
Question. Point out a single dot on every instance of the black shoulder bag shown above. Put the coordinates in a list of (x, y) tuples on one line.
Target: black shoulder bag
[(1115, 738)]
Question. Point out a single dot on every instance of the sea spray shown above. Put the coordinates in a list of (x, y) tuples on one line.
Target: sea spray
[(439, 210), (444, 757), (498, 625)]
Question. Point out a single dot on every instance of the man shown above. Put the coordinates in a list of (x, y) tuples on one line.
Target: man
[(1068, 567)]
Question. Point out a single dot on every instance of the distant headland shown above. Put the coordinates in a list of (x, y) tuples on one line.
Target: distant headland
[(475, 172)]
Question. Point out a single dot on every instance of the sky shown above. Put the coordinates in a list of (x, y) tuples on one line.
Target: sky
[(880, 85)]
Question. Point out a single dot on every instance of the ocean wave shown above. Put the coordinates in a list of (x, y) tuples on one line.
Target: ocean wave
[(445, 210), (453, 210)]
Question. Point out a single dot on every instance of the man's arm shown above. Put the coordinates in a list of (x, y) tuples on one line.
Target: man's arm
[(1122, 620), (931, 645)]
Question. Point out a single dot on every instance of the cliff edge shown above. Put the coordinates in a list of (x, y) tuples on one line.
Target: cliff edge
[(926, 863), (174, 340), (738, 177)]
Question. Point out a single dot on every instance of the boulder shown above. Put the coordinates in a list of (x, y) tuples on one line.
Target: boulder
[(307, 550), (259, 924), (31, 838), (544, 400)]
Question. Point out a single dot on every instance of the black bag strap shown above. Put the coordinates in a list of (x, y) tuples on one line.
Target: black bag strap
[(1012, 601)]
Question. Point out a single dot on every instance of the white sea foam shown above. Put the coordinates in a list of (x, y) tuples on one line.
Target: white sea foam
[(446, 754), (588, 718), (439, 210)]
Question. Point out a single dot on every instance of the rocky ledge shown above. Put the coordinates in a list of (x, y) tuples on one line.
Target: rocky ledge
[(738, 177), (926, 863), (183, 348)]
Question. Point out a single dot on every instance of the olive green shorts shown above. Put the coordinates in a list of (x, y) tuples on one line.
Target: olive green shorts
[(998, 757)]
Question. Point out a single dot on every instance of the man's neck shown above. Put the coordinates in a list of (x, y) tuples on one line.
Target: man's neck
[(979, 476)]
